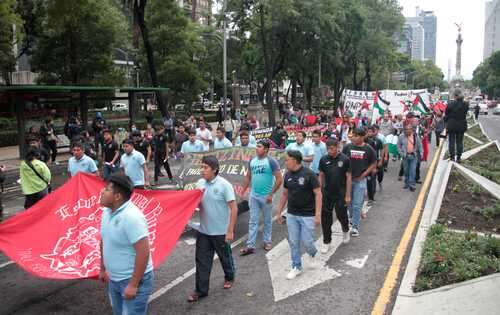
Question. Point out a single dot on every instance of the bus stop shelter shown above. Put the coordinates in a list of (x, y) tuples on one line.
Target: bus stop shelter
[(17, 97)]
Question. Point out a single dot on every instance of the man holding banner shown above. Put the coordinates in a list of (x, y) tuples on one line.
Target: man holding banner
[(126, 264), (264, 178)]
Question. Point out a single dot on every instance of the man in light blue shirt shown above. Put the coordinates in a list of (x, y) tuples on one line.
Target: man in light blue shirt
[(80, 162), (264, 177), (134, 165), (192, 145), (218, 214), (306, 150), (319, 148), (244, 140), (126, 264), (221, 142)]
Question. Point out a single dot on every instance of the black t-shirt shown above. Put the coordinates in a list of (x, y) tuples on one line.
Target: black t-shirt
[(300, 185), (335, 170), (142, 146), (44, 155), (180, 138), (159, 142), (377, 145), (110, 150), (361, 158)]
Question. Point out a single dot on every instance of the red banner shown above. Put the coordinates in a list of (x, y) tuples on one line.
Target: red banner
[(59, 237)]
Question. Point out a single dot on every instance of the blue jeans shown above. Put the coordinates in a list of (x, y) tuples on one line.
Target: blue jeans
[(258, 204), (410, 168), (108, 170), (357, 199), (300, 229), (136, 306)]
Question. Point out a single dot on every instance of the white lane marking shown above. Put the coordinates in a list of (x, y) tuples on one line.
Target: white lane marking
[(279, 257), (5, 264), (358, 262), (192, 271)]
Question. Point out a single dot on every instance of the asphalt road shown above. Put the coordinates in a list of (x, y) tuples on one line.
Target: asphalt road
[(359, 267), (491, 125)]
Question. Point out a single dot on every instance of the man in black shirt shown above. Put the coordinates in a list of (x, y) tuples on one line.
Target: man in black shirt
[(378, 147), (160, 143), (363, 162), (335, 180), (142, 145), (302, 192), (180, 137), (110, 154)]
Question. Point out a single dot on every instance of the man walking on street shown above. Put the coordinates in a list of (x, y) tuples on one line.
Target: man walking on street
[(204, 135), (264, 178), (244, 140), (410, 148), (160, 141), (379, 149), (126, 264), (363, 163), (134, 165), (110, 155), (306, 150), (218, 214), (80, 162), (319, 148), (192, 145), (335, 181), (221, 142), (302, 192), (456, 125)]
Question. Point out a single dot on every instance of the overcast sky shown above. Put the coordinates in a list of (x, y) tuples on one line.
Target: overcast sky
[(471, 14)]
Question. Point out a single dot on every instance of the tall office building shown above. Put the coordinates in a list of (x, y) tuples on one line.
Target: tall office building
[(491, 28), (428, 21), (411, 41)]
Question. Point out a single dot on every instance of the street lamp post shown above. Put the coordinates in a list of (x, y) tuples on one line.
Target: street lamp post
[(225, 59)]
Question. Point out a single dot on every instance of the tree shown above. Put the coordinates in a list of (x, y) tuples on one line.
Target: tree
[(178, 50), (77, 43), (8, 21), (487, 76)]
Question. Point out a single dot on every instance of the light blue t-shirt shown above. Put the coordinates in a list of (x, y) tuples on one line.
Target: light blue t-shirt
[(222, 144), (305, 149), (214, 211), (262, 171), (252, 141), (84, 165), (133, 165), (319, 152), (192, 147), (120, 230), (381, 137)]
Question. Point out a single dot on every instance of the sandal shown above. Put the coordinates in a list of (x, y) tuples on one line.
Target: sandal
[(246, 251), (228, 284), (194, 297), (268, 246)]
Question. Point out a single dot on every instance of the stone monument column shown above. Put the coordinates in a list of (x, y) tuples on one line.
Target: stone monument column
[(458, 80)]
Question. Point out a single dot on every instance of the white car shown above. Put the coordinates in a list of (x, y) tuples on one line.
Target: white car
[(120, 107), (483, 108)]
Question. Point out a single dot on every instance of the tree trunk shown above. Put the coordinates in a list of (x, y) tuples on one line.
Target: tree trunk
[(139, 10), (268, 65), (309, 80), (294, 92), (193, 10), (368, 76)]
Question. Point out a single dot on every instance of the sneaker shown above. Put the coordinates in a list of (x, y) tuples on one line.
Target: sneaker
[(293, 273), (380, 186), (313, 262), (370, 203), (400, 178), (325, 248), (412, 188), (346, 238), (405, 187), (418, 181), (56, 163), (354, 232)]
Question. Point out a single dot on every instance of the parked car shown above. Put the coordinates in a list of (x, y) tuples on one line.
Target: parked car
[(120, 107), (496, 111), (483, 108)]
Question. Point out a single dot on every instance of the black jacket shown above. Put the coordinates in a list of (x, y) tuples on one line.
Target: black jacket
[(456, 116)]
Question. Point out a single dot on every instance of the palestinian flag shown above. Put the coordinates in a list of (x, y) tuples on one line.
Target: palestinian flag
[(406, 108), (419, 105), (377, 105)]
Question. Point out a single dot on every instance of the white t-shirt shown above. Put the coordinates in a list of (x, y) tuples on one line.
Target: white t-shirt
[(206, 134)]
